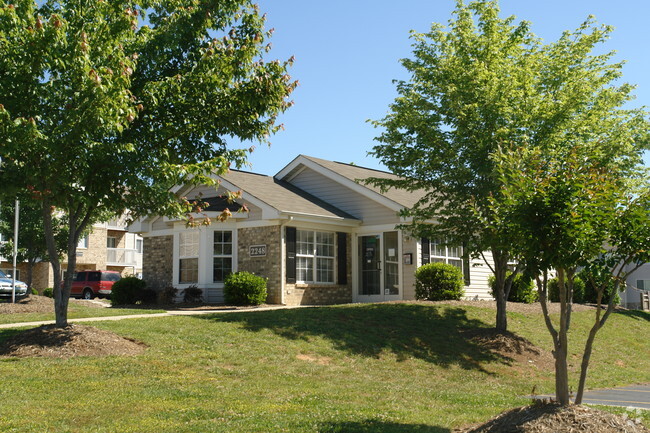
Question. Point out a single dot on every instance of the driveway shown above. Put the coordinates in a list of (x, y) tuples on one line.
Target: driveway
[(637, 396)]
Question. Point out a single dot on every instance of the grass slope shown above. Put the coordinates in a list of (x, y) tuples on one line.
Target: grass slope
[(363, 368), (74, 312)]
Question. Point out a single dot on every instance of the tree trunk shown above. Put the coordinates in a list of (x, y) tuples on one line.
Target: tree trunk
[(561, 374), (586, 356), (500, 295)]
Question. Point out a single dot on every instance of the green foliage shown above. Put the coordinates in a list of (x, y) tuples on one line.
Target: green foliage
[(34, 291), (49, 292), (578, 290), (168, 294), (244, 288), (149, 296), (523, 289), (192, 294), (127, 290), (439, 282), (156, 89)]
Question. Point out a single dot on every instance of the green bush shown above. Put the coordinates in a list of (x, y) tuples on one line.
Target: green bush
[(192, 295), (244, 288), (523, 289), (149, 296), (168, 295), (49, 292), (33, 291), (439, 282), (128, 290), (590, 293), (578, 290)]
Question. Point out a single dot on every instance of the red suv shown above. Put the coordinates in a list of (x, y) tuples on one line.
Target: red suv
[(88, 284)]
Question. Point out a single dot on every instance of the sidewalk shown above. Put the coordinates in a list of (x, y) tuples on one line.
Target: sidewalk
[(144, 316)]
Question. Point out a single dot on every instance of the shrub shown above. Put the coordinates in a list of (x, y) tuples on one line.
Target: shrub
[(590, 293), (578, 290), (192, 294), (49, 292), (33, 291), (128, 290), (168, 295), (439, 282), (149, 296), (523, 289), (244, 288)]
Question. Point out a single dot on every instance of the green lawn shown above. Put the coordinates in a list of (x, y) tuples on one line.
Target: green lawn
[(383, 368), (75, 311)]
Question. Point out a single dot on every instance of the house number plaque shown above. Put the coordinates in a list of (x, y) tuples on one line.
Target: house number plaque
[(257, 250)]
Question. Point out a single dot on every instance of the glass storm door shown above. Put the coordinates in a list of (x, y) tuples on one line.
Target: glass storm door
[(379, 268)]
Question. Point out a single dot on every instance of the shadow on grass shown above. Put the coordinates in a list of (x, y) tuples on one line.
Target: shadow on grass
[(431, 333), (375, 426), (637, 314)]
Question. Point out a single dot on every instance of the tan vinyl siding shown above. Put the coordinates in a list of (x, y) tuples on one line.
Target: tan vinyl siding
[(409, 245), (343, 198), (479, 288)]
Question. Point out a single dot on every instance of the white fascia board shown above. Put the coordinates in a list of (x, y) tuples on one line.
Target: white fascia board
[(304, 217), (366, 192), (209, 214)]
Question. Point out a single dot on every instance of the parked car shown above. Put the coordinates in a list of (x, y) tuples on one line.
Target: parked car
[(88, 284), (6, 287)]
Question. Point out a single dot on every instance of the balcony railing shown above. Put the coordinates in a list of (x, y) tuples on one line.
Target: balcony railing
[(121, 257), (116, 224)]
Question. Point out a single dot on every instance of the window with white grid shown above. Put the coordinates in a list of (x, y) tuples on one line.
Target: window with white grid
[(315, 253), (188, 255)]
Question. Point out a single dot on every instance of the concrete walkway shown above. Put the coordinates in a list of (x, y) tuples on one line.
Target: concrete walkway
[(143, 316), (635, 396)]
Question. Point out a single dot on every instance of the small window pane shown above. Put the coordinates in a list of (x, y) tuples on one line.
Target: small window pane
[(304, 269), (305, 242), (189, 271), (222, 266), (325, 270)]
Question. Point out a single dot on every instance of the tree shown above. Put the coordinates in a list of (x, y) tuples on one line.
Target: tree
[(482, 84), (32, 247), (106, 105)]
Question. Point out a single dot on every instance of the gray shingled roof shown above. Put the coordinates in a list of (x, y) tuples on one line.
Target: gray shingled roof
[(355, 172), (283, 196)]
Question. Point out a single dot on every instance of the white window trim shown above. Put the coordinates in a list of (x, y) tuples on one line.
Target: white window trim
[(83, 243), (315, 258), (181, 256), (231, 256)]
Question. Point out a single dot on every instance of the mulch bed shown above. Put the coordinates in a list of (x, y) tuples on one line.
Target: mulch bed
[(546, 417), (39, 304), (73, 340)]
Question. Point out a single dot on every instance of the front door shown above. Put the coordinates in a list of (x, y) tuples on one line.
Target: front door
[(379, 268)]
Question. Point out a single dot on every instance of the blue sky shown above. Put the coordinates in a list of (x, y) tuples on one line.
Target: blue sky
[(347, 54)]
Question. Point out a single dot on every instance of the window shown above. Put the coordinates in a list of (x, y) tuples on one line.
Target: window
[(314, 257), (10, 272), (83, 242), (643, 284), (94, 276), (111, 242), (435, 251), (138, 246), (221, 255), (188, 254)]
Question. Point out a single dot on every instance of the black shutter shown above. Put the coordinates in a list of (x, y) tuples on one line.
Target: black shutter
[(290, 262), (342, 257), (426, 251), (466, 266)]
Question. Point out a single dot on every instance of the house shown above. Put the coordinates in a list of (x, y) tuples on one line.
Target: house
[(108, 246), (637, 284), (316, 234)]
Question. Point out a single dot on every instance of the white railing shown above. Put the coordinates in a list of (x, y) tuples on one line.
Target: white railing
[(121, 257), (116, 224)]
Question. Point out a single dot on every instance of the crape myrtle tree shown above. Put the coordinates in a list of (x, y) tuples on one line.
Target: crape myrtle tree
[(106, 104), (32, 247), (482, 84), (569, 210)]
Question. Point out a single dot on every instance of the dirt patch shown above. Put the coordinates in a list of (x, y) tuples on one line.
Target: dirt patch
[(553, 418), (73, 340), (321, 360), (40, 304), (512, 347)]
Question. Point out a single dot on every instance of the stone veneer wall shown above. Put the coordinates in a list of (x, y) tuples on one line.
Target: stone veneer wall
[(269, 266), (322, 294), (157, 266)]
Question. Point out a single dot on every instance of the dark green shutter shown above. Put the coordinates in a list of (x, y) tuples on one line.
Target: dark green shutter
[(290, 262), (426, 251), (342, 257), (466, 266)]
